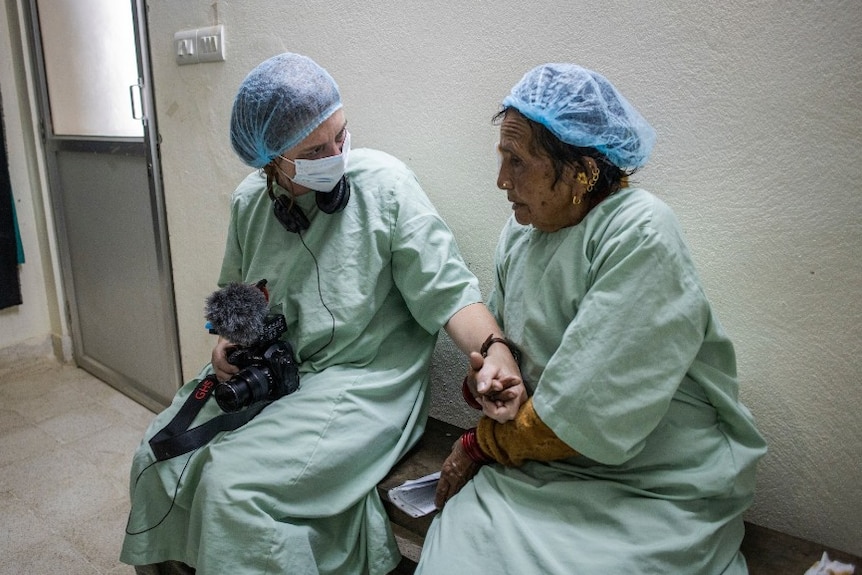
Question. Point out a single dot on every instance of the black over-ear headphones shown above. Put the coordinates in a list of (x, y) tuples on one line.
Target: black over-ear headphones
[(291, 215)]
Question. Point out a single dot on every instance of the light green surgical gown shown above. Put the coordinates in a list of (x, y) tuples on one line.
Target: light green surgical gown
[(629, 366), (293, 491)]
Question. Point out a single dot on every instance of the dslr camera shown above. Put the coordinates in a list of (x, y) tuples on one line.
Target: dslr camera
[(268, 369)]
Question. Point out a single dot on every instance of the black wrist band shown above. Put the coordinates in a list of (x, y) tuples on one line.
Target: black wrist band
[(516, 353)]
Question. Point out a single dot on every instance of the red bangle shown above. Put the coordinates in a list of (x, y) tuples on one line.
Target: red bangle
[(470, 443), (468, 396)]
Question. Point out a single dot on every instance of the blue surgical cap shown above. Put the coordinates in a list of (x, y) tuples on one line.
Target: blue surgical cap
[(278, 104), (583, 109)]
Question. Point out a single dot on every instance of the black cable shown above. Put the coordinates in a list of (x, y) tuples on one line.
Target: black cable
[(173, 499), (320, 294)]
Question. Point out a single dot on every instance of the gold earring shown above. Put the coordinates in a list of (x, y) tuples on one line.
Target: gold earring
[(593, 181), (576, 200), (582, 178)]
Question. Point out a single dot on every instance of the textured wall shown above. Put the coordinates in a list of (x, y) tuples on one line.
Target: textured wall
[(756, 107)]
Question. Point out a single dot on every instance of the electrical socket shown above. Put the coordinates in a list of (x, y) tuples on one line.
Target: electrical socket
[(199, 45)]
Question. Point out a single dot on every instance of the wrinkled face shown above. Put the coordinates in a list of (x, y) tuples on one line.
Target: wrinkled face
[(527, 177)]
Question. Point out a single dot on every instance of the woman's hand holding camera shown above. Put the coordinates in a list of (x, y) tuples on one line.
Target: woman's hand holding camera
[(224, 370)]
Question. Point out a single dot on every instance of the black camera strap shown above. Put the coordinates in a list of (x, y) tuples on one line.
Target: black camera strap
[(176, 438)]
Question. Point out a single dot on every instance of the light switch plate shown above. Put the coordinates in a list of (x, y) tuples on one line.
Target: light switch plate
[(199, 45), (210, 42)]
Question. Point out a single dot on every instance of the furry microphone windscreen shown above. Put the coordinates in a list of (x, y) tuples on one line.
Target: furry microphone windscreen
[(237, 313)]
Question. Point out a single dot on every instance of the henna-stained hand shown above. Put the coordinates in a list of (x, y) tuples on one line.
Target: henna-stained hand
[(457, 470)]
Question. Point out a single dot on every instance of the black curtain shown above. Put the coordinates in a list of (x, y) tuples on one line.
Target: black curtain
[(10, 284)]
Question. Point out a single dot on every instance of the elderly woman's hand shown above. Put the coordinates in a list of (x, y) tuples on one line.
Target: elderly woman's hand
[(501, 398), (457, 470), (224, 370)]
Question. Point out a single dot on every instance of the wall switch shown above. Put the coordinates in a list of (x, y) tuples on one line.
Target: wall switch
[(211, 44), (185, 47), (199, 45)]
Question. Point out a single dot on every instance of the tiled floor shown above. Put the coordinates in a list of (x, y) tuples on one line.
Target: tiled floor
[(66, 441)]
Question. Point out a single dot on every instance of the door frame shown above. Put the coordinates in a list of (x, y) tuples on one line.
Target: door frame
[(148, 148)]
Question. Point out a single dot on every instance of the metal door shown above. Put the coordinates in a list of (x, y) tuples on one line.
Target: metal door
[(102, 157)]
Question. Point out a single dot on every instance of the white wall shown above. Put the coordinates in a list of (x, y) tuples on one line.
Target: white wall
[(37, 325), (756, 107)]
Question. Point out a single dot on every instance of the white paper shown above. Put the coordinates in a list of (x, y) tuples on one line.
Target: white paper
[(827, 567), (416, 496)]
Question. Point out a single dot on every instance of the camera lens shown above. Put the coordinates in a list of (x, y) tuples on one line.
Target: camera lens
[(248, 386)]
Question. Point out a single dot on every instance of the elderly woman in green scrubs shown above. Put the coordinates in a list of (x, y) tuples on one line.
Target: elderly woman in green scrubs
[(627, 450)]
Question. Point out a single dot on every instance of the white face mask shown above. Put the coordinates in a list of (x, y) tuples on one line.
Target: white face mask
[(324, 174)]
